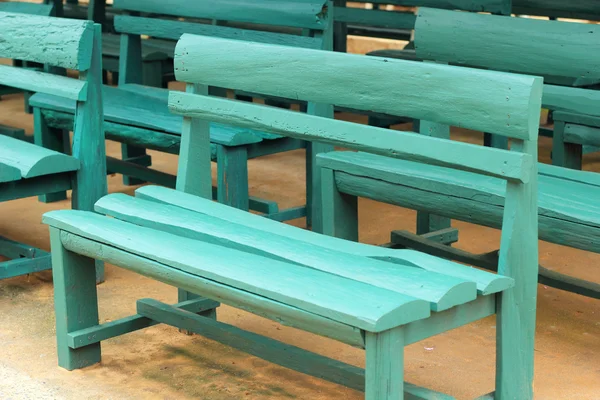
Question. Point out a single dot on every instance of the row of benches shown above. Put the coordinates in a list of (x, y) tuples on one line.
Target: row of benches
[(270, 268)]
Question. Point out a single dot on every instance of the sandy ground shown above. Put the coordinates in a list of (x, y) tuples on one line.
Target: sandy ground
[(161, 363)]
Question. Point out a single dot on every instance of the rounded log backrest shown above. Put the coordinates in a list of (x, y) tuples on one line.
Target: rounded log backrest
[(519, 45)]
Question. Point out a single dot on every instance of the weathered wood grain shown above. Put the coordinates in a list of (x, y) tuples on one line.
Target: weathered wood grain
[(302, 14), (488, 101), (381, 141), (62, 42), (519, 44)]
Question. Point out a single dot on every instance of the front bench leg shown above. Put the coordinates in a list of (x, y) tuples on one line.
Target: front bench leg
[(75, 302), (384, 372)]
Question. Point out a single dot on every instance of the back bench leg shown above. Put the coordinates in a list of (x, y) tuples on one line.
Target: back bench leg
[(339, 210), (232, 176), (184, 295), (75, 302), (568, 155), (135, 155), (384, 371), (53, 139)]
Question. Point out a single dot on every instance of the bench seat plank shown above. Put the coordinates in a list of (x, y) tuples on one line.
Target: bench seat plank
[(147, 108), (32, 160), (562, 197), (486, 282), (442, 291), (375, 310)]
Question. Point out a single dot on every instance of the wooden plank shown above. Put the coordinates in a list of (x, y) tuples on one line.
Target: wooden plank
[(36, 81), (396, 144), (580, 9), (581, 101), (26, 8), (35, 186), (136, 110), (379, 18), (98, 333), (510, 44), (442, 291), (168, 29), (309, 14), (581, 134), (47, 40), (377, 309), (486, 282), (482, 100), (23, 266), (261, 306), (32, 160), (492, 6)]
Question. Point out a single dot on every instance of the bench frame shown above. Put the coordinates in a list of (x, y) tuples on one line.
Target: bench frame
[(88, 182), (75, 248)]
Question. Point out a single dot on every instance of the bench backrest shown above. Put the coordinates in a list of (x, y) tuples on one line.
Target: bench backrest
[(528, 46), (256, 20), (577, 9), (400, 21), (497, 102), (27, 8), (61, 43)]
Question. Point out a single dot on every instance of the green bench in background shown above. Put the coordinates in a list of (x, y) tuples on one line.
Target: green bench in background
[(370, 297), (397, 25), (562, 52), (138, 116), (28, 170), (568, 213)]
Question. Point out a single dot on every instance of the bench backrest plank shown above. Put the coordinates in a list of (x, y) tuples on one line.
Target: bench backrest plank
[(577, 9), (528, 46), (43, 39), (509, 44), (492, 102), (299, 14), (27, 8)]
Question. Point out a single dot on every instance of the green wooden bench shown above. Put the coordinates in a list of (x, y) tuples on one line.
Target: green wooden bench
[(567, 209), (138, 116), (397, 25), (374, 298), (566, 54), (28, 170)]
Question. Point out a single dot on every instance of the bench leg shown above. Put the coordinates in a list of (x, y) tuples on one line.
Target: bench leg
[(384, 372), (568, 155), (314, 212), (75, 302), (152, 74), (53, 139), (340, 210), (131, 153), (232, 176)]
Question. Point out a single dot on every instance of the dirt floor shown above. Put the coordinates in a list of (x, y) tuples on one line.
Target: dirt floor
[(161, 363)]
